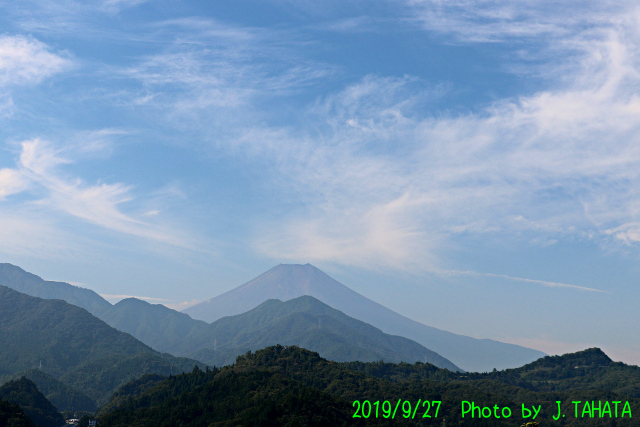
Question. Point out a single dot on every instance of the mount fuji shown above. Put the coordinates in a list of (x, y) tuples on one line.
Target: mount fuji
[(289, 281)]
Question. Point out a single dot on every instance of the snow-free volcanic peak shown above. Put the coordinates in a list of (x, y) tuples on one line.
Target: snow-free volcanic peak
[(288, 281)]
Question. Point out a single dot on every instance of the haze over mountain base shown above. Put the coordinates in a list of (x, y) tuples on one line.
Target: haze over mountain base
[(288, 281)]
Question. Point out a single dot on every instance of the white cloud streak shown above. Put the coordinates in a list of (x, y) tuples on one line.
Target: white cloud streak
[(39, 174), (211, 66), (545, 283), (501, 20), (11, 182), (24, 60), (387, 185)]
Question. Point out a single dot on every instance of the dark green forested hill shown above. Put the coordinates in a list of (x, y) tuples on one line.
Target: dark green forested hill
[(73, 347), (58, 393), (60, 335), (585, 370), (254, 392), (24, 393), (274, 386), (12, 416)]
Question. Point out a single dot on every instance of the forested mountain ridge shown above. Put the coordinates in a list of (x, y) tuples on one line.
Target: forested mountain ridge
[(587, 370), (305, 322), (225, 396), (24, 393), (58, 393), (73, 346), (22, 281)]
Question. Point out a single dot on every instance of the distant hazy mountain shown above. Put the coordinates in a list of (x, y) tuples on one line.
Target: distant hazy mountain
[(16, 278), (304, 321), (170, 331), (311, 324), (156, 325), (73, 346), (164, 329), (285, 282)]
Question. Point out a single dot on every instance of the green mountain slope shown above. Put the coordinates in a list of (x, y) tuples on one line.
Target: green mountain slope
[(154, 324), (227, 396), (308, 323), (588, 370), (17, 279), (254, 398), (58, 334), (58, 393), (274, 386), (73, 346), (24, 393)]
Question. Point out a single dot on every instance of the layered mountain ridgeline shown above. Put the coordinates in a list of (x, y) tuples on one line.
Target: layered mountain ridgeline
[(12, 415), (17, 279), (308, 323), (254, 390), (285, 282), (163, 329), (304, 321), (24, 393), (73, 346), (156, 325)]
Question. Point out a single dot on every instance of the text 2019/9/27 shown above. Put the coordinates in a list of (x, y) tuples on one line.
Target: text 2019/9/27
[(387, 409)]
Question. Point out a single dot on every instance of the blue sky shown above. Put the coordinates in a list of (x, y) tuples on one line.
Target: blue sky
[(474, 165)]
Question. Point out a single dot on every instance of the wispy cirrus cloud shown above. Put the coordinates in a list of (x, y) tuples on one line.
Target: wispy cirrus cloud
[(114, 6), (563, 161), (11, 182), (39, 174), (25, 60), (500, 20), (216, 66)]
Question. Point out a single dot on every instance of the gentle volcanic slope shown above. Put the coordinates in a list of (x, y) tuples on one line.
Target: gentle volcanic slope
[(285, 282)]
